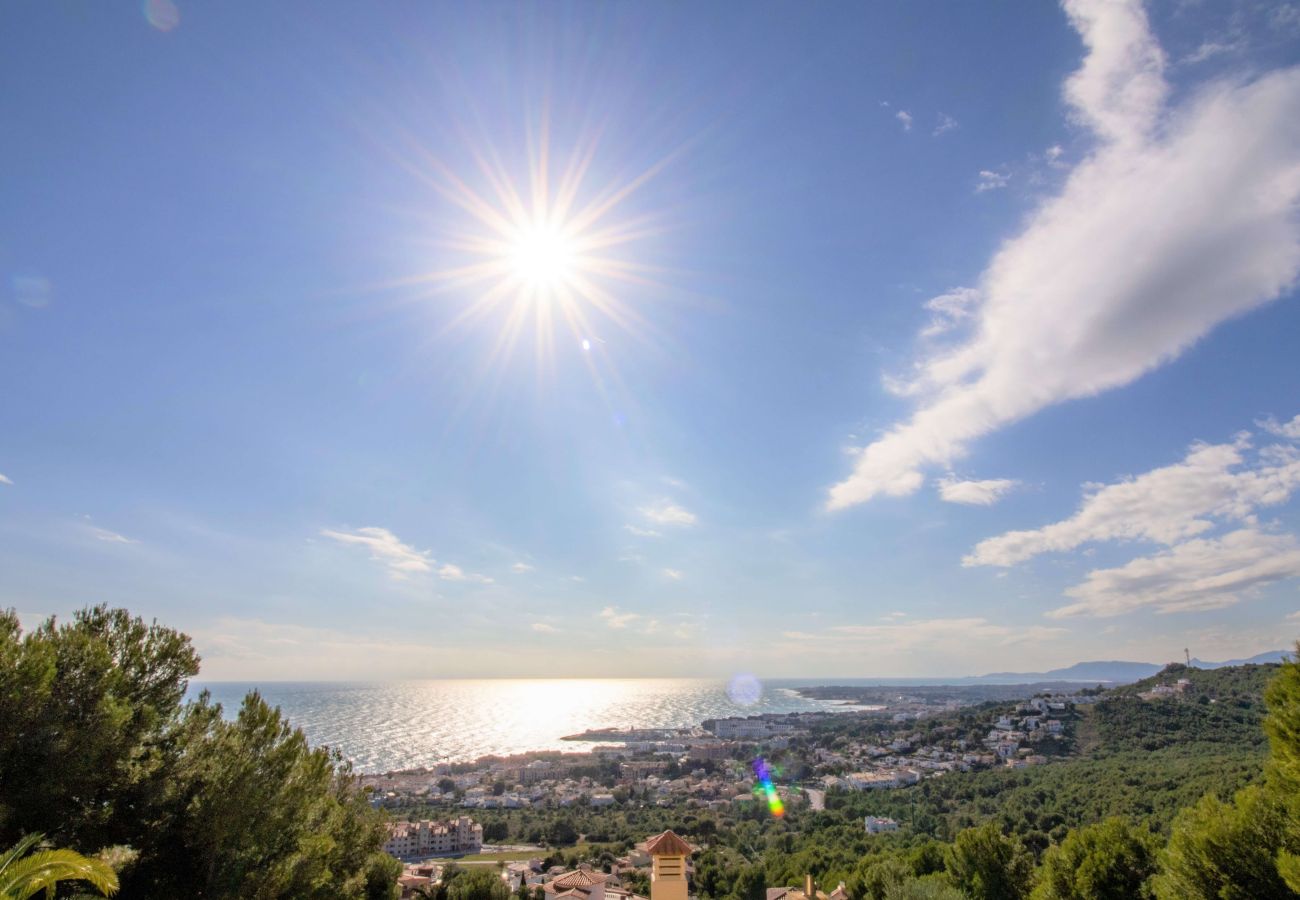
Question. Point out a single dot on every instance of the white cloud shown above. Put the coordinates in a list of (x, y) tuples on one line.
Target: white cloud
[(1194, 575), (674, 574), (1053, 155), (905, 117), (665, 512), (543, 628), (1119, 90), (399, 558), (1181, 217), (620, 619), (1211, 49), (615, 618), (931, 633), (946, 124), (4, 480), (1165, 505), (990, 180), (1293, 617), (451, 572), (521, 567), (641, 532), (949, 309), (1282, 429), (975, 493), (112, 537)]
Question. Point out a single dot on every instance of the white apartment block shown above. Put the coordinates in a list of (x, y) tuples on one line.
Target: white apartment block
[(428, 838)]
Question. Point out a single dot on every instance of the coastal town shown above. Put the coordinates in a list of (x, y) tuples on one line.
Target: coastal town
[(710, 767)]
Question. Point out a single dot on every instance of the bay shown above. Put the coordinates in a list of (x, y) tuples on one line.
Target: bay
[(387, 726)]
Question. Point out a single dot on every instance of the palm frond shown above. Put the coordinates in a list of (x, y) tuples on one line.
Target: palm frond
[(45, 869)]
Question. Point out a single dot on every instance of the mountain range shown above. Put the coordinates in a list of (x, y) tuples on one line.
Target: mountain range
[(1119, 672)]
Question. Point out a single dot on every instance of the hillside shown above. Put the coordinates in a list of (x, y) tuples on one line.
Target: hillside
[(1120, 672)]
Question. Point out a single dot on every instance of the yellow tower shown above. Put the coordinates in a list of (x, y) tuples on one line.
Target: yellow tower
[(668, 854)]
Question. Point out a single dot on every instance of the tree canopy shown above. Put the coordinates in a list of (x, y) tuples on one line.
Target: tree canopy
[(99, 748)]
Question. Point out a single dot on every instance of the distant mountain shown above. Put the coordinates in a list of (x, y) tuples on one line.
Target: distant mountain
[(1110, 670), (1271, 656), (1119, 672)]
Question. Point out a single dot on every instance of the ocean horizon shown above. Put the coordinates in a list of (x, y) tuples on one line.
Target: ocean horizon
[(391, 725)]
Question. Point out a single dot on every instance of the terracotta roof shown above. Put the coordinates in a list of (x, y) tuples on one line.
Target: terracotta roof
[(668, 844), (576, 879)]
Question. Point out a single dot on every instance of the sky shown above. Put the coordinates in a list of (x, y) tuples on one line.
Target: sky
[(471, 340)]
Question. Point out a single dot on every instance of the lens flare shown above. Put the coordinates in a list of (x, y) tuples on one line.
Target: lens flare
[(744, 690), (767, 788)]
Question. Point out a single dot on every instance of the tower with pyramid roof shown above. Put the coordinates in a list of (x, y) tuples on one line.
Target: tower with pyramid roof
[(668, 854)]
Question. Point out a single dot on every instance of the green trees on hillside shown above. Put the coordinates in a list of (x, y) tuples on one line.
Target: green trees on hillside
[(987, 865), (99, 749), (1107, 861)]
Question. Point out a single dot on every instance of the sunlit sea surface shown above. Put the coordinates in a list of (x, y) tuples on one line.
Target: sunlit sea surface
[(400, 725)]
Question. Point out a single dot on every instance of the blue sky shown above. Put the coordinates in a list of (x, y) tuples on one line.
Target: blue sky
[(899, 339)]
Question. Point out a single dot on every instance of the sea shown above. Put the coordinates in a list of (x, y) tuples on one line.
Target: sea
[(389, 726)]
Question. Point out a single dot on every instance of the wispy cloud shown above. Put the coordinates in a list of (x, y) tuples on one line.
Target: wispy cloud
[(452, 572), (543, 628), (949, 310), (1289, 430), (641, 532), (674, 574), (520, 568), (5, 480), (112, 537), (989, 180), (905, 117), (975, 493), (399, 558), (620, 619), (946, 124), (1165, 505), (1194, 575), (1181, 217), (1176, 505), (666, 512), (930, 633)]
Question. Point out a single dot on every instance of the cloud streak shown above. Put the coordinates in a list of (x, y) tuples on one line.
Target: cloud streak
[(975, 493), (1180, 218), (1195, 575), (666, 512), (399, 558), (1165, 505)]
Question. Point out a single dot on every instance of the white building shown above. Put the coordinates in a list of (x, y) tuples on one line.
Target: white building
[(429, 838), (880, 824)]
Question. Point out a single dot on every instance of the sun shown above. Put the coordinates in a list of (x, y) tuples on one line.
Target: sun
[(544, 257), (545, 249)]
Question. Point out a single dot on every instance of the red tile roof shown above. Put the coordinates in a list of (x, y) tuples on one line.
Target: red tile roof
[(668, 844), (576, 879)]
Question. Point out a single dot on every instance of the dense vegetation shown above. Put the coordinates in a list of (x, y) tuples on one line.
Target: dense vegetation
[(98, 749), (1195, 796), (1155, 800)]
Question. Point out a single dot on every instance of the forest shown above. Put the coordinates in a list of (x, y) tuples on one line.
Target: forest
[(104, 761)]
